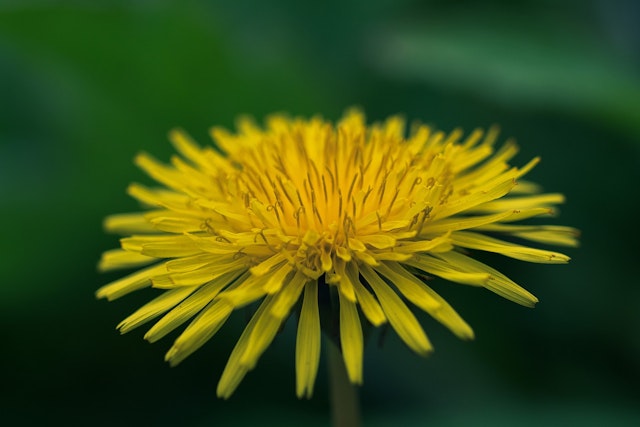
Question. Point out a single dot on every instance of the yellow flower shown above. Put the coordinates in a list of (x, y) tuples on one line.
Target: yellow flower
[(279, 214)]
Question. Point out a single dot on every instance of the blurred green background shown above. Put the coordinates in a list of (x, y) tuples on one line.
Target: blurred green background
[(86, 85)]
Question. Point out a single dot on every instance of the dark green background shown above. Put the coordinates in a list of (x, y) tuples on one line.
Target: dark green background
[(84, 86)]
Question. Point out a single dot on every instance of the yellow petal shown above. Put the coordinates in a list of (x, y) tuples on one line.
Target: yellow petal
[(161, 173), (156, 307), (326, 262), (201, 329), (130, 223), (308, 342), (367, 258), (426, 298), (399, 315), (351, 339), (235, 371), (356, 245), (169, 199), (261, 337), (265, 266), (133, 282), (176, 224), (474, 157), (187, 147), (117, 258), (278, 278), (345, 287), (461, 223), (413, 289), (379, 241), (521, 203), (490, 169), (246, 292), (478, 241), (200, 276), (194, 262), (343, 253), (488, 192), (167, 246), (391, 256), (190, 306), (425, 245), (268, 218), (227, 211), (289, 295), (462, 269), (368, 302), (549, 234), (213, 245)]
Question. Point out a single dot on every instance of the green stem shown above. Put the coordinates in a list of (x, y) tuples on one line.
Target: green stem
[(345, 408)]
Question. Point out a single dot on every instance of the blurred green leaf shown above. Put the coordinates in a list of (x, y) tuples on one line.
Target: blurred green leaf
[(519, 64), (503, 412)]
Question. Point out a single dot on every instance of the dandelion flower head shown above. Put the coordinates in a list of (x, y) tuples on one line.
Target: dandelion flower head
[(274, 216)]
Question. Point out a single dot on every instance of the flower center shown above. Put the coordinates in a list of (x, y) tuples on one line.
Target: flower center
[(328, 193)]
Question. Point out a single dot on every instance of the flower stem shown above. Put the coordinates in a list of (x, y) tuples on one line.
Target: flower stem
[(345, 408)]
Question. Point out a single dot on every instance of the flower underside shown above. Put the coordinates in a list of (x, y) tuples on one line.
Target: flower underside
[(367, 210)]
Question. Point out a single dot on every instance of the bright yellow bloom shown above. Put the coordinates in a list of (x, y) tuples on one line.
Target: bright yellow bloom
[(302, 207)]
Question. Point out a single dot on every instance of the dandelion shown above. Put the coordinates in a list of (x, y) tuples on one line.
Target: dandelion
[(278, 215)]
